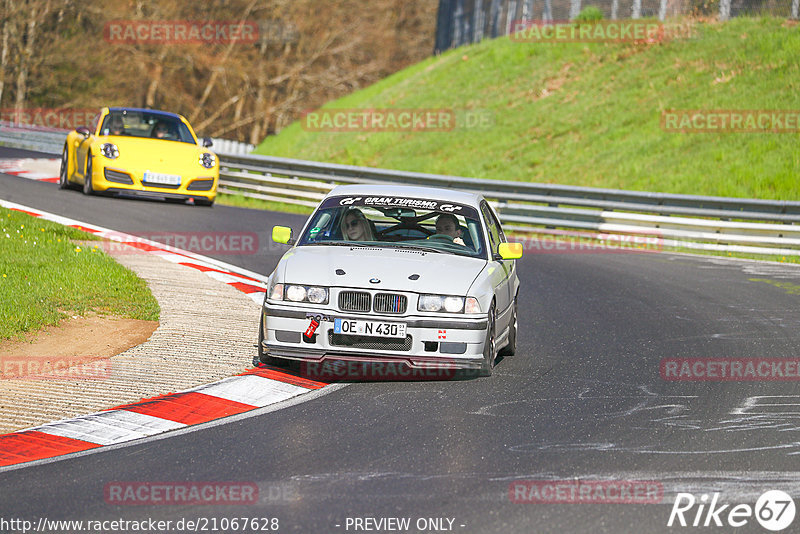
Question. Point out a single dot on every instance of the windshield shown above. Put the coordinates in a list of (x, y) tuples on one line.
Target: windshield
[(146, 124), (436, 226)]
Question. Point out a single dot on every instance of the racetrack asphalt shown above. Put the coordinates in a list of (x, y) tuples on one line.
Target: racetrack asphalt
[(583, 400)]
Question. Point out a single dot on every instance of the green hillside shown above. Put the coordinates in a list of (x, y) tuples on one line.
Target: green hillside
[(589, 114)]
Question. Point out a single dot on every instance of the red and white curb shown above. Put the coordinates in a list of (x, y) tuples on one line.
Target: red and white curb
[(253, 389), (42, 169)]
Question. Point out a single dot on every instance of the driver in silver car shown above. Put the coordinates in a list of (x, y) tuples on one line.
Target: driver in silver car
[(356, 227), (447, 224)]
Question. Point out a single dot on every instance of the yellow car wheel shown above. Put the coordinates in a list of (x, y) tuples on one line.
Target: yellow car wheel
[(63, 179), (87, 178)]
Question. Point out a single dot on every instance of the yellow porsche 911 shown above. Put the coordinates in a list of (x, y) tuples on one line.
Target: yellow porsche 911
[(140, 152)]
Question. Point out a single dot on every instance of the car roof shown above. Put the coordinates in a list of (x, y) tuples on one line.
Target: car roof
[(413, 191), (143, 110)]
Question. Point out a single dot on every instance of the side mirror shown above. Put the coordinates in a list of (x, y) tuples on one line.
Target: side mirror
[(207, 142), (510, 251), (282, 234), (83, 130)]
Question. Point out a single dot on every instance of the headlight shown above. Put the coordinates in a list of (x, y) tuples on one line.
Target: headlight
[(430, 303), (454, 304), (317, 295), (298, 293), (208, 160), (448, 303), (110, 150)]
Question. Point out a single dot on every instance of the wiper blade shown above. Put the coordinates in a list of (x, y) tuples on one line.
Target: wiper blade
[(413, 247), (360, 244)]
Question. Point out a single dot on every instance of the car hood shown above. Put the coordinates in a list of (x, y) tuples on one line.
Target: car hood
[(153, 154), (438, 273)]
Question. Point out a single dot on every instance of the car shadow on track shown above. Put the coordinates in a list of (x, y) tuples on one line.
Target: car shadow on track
[(335, 371)]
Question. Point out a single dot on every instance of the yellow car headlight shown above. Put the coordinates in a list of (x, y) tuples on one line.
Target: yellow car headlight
[(207, 160), (110, 150)]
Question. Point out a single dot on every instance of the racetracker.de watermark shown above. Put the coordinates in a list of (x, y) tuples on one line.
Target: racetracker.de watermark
[(56, 118), (181, 493), (730, 369), (586, 491), (730, 121), (221, 243), (380, 120), (588, 243), (336, 370), (52, 368), (164, 32), (602, 31), (397, 120)]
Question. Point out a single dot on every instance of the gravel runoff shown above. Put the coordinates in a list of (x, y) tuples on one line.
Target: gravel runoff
[(208, 330)]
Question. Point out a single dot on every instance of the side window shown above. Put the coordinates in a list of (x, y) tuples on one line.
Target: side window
[(491, 226), (497, 225)]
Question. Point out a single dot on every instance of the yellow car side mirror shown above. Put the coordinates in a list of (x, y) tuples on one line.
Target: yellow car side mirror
[(510, 251), (282, 234)]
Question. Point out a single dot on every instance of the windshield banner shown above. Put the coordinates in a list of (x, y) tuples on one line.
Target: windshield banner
[(403, 202)]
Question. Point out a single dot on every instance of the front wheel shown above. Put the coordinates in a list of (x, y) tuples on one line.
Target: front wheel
[(489, 349), (511, 348), (63, 178), (87, 178)]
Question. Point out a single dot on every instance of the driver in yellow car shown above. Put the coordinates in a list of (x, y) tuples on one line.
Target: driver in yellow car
[(160, 130), (117, 125)]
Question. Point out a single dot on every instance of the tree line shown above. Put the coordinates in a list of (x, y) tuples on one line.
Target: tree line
[(239, 69)]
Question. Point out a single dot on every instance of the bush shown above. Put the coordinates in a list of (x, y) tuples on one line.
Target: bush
[(590, 14)]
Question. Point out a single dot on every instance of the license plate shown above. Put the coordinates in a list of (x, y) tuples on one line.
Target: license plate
[(368, 328), (159, 178)]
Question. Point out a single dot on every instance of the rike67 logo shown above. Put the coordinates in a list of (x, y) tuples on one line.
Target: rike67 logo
[(774, 510)]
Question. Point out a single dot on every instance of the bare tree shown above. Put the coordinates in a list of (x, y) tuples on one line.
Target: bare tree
[(8, 7), (36, 13), (310, 52)]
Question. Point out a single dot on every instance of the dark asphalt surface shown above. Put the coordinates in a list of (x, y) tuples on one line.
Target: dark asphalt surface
[(582, 399)]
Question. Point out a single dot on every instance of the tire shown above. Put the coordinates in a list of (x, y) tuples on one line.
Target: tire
[(63, 179), (203, 202), (264, 357), (489, 349), (87, 179), (511, 348)]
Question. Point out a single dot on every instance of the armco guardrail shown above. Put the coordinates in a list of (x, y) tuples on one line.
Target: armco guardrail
[(698, 222), (711, 223), (32, 137), (52, 140)]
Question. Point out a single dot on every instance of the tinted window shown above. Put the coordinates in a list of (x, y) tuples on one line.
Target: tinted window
[(430, 224), (146, 124)]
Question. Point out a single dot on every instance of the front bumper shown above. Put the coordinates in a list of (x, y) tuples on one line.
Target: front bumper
[(129, 182), (443, 343)]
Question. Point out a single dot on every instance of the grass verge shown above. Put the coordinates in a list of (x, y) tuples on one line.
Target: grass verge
[(587, 114), (45, 276)]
